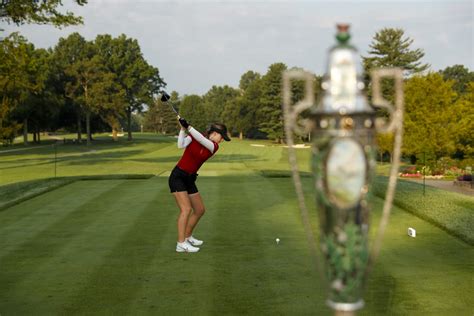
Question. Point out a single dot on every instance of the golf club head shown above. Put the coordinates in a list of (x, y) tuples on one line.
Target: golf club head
[(164, 97)]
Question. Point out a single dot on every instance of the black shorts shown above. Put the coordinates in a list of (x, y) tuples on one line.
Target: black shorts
[(180, 181)]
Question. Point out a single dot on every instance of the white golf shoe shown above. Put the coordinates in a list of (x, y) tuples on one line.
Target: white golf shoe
[(185, 247), (193, 241)]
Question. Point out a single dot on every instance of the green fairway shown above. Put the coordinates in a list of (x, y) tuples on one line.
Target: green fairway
[(108, 246), (147, 154)]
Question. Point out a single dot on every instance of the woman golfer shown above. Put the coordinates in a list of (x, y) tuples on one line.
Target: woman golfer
[(182, 180)]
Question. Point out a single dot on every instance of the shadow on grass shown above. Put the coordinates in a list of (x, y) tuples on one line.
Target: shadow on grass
[(234, 158), (79, 155), (267, 173), (99, 158), (158, 159), (99, 144), (89, 158), (45, 162), (15, 193)]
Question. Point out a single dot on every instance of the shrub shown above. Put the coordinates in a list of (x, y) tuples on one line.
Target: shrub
[(453, 171), (408, 170)]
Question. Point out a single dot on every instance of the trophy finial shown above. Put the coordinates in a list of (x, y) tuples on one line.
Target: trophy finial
[(343, 35)]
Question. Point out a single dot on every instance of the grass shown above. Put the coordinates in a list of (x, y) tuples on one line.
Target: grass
[(452, 212), (15, 193), (107, 246), (146, 154)]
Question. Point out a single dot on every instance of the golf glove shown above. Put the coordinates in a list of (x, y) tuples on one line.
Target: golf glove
[(183, 122)]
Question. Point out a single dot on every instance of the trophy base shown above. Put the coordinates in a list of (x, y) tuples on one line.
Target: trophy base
[(346, 307)]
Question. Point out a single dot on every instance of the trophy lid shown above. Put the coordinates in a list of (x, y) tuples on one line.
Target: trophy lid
[(343, 35), (343, 84)]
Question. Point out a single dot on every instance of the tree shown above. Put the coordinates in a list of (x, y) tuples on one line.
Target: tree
[(38, 12), (248, 79), (107, 97), (95, 89), (240, 110), (151, 118), (461, 76), (138, 79), (66, 53), (160, 117), (429, 127), (390, 49), (462, 122), (385, 144), (215, 100), (192, 109), (38, 109), (270, 114), (17, 73)]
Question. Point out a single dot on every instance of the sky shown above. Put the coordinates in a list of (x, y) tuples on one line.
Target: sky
[(198, 44)]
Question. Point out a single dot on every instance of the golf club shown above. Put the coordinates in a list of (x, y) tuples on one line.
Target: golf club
[(164, 97)]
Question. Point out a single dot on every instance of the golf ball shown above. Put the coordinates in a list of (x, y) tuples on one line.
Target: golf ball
[(277, 240)]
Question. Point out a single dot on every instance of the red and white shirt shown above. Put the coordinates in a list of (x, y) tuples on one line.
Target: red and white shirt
[(198, 150)]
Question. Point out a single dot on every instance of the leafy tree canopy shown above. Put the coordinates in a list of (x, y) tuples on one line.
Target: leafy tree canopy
[(461, 75), (428, 124), (38, 12)]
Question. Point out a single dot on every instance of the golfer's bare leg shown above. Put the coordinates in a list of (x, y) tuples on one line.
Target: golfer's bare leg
[(198, 211), (184, 204)]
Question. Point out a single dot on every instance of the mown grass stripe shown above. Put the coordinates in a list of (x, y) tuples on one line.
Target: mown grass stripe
[(23, 222), (451, 212), (16, 193), (114, 283), (246, 255), (29, 253), (425, 275)]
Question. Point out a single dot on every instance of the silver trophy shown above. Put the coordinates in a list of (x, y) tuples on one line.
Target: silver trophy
[(343, 126)]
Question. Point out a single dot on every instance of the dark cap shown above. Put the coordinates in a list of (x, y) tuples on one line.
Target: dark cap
[(221, 129)]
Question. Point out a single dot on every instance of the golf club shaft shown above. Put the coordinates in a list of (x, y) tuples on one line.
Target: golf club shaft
[(174, 110), (165, 97)]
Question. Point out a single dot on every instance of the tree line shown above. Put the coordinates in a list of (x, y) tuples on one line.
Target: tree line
[(99, 84), (96, 84), (106, 84), (439, 106)]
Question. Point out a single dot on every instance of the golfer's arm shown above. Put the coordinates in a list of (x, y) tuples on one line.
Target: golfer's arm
[(201, 139), (183, 140)]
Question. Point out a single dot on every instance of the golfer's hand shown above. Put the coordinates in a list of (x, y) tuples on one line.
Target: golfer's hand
[(183, 122)]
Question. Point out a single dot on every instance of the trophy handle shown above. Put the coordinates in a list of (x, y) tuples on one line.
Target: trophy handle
[(291, 113), (379, 101), (395, 125)]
